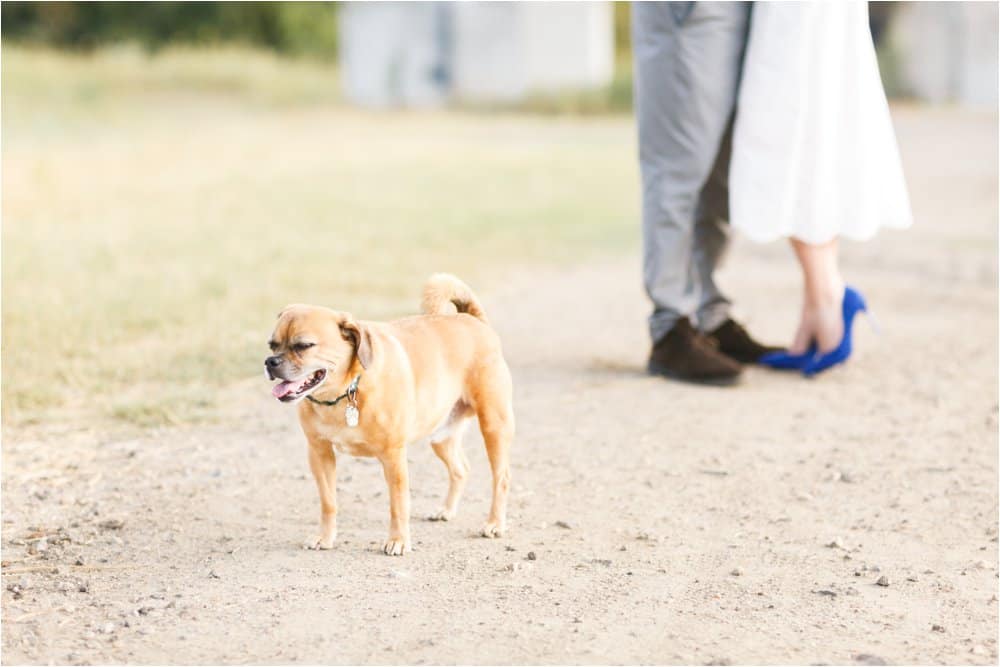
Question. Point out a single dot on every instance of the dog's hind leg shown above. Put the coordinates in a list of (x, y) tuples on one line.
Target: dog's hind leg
[(449, 450), (496, 421)]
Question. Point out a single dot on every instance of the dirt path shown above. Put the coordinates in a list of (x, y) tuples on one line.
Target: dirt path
[(651, 521)]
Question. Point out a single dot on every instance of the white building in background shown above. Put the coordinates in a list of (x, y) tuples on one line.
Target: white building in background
[(419, 54), (946, 51), (425, 54)]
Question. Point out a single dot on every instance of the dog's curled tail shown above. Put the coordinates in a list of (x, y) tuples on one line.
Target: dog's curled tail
[(444, 290)]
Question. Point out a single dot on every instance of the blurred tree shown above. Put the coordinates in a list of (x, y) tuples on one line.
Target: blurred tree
[(298, 28), (623, 29)]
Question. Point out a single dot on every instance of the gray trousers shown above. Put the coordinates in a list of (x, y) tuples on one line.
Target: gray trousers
[(688, 58)]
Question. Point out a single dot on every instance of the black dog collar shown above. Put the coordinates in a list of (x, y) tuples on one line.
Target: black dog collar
[(351, 394)]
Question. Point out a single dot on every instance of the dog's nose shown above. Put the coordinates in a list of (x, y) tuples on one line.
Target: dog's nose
[(272, 362)]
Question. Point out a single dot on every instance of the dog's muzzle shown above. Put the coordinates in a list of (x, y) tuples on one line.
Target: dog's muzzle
[(271, 365)]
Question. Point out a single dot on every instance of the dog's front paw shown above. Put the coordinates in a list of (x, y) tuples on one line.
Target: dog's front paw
[(396, 546), (443, 514), (493, 529), (320, 543)]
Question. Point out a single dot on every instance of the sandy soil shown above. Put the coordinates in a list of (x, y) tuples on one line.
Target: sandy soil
[(651, 522)]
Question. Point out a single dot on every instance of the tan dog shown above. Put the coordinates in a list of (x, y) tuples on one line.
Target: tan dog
[(373, 388)]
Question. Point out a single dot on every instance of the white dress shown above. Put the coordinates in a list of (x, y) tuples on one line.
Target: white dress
[(814, 153)]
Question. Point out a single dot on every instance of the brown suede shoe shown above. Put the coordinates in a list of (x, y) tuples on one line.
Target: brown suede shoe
[(686, 354), (736, 343)]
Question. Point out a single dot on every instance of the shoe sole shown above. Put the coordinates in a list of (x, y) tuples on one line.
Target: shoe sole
[(720, 381)]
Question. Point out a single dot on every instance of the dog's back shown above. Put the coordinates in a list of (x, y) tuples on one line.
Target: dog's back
[(452, 332)]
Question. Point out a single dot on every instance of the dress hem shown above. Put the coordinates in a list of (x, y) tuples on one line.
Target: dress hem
[(820, 240)]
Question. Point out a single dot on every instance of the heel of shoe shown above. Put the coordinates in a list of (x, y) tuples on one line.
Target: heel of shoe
[(872, 320), (855, 302)]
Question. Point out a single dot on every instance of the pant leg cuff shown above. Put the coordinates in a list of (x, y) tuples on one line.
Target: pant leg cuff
[(661, 324), (712, 318)]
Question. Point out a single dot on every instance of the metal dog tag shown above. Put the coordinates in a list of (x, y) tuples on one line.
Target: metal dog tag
[(352, 415)]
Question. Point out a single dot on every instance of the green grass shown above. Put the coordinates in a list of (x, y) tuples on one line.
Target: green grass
[(157, 212), (106, 80)]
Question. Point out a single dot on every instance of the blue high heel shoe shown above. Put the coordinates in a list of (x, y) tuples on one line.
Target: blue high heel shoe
[(785, 361), (854, 303)]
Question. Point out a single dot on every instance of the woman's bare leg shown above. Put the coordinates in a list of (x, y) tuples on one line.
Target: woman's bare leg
[(823, 293)]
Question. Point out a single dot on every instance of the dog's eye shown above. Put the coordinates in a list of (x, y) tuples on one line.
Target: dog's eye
[(298, 347), (273, 345)]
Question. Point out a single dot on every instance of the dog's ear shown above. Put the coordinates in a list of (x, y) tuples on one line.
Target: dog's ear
[(360, 337)]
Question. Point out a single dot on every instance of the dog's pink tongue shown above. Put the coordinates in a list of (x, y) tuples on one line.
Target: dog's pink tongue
[(282, 389)]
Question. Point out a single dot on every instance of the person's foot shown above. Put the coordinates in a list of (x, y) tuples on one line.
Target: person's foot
[(736, 343), (852, 304), (688, 355)]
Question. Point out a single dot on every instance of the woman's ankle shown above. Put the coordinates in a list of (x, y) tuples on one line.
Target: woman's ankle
[(829, 325), (829, 294)]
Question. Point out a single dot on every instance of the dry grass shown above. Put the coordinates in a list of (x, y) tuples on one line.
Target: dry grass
[(157, 213)]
